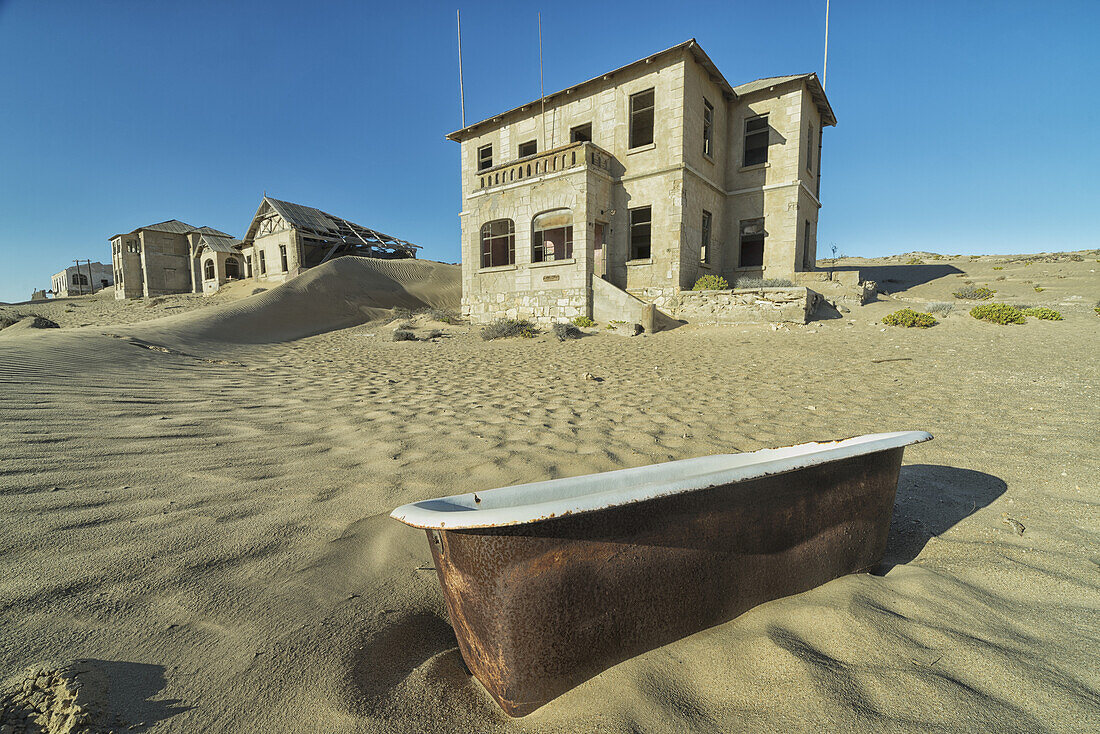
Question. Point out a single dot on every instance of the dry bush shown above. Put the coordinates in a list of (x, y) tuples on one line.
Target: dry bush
[(974, 293), (505, 328), (566, 331)]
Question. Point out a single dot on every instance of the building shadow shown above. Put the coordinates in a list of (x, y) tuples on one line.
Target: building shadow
[(130, 691), (893, 278), (932, 499)]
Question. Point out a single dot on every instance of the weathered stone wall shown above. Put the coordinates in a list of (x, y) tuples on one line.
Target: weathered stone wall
[(744, 306), (165, 262)]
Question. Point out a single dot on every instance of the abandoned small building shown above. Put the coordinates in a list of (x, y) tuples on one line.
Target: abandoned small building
[(284, 239), (82, 279), (639, 180), (160, 259)]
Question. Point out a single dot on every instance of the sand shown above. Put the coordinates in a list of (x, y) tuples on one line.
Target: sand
[(196, 507)]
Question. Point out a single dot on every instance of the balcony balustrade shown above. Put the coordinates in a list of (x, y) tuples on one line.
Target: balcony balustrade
[(556, 160)]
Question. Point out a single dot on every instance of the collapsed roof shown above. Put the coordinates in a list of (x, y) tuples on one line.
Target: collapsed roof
[(341, 236)]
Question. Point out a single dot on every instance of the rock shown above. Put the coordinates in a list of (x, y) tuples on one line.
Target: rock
[(626, 329), (588, 376)]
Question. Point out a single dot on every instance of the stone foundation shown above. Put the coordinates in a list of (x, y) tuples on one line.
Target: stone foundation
[(744, 306), (542, 307)]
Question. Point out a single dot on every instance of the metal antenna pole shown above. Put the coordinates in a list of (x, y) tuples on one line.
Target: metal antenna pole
[(461, 91), (542, 89), (825, 68)]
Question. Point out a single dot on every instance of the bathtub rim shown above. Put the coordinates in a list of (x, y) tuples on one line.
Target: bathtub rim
[(505, 506)]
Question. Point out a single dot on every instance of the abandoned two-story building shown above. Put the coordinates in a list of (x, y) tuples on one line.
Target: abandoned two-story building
[(161, 258), (640, 180)]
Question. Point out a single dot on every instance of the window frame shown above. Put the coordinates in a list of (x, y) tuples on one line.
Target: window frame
[(708, 128), (636, 114), (263, 262), (482, 162), (810, 149), (741, 226), (486, 238), (765, 132), (573, 133), (538, 238), (535, 151), (705, 237), (633, 227), (209, 270), (283, 259)]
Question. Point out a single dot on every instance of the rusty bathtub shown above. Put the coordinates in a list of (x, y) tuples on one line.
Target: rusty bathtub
[(549, 583)]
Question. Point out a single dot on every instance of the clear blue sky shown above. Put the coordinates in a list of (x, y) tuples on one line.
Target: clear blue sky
[(963, 126)]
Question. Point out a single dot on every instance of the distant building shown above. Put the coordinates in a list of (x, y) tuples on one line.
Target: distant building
[(83, 279), (284, 239), (159, 259), (644, 178)]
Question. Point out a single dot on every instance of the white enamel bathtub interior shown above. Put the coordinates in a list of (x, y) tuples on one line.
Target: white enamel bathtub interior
[(536, 501)]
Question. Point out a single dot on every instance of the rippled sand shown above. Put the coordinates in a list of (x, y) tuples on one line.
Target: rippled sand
[(206, 520)]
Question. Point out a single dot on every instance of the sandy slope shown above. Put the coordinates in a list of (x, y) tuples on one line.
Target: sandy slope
[(207, 525)]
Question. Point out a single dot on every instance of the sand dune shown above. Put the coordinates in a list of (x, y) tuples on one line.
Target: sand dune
[(344, 292), (206, 526)]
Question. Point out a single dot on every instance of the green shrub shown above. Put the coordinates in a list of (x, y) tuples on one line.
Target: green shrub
[(403, 335), (914, 261), (584, 322), (505, 328), (762, 283), (998, 313), (566, 331), (974, 293), (998, 267), (908, 317), (1039, 289), (1046, 314), (711, 283), (443, 315)]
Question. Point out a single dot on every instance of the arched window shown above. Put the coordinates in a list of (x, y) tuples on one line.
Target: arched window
[(80, 279), (232, 268), (498, 243), (552, 236), (208, 270)]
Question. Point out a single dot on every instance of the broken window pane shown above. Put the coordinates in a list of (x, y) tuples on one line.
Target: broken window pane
[(752, 243), (581, 133), (485, 157), (640, 233), (704, 247), (552, 238), (708, 127), (498, 243), (756, 140), (641, 118)]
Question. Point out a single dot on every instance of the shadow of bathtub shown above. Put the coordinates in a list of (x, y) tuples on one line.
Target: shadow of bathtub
[(931, 499)]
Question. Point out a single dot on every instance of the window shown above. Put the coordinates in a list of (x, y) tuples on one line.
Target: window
[(708, 128), (752, 243), (263, 263), (807, 260), (552, 238), (498, 243), (485, 157), (282, 257), (248, 266), (756, 140), (208, 270), (640, 233), (704, 247), (529, 148), (80, 279), (132, 246), (810, 148), (641, 118), (232, 268), (581, 133)]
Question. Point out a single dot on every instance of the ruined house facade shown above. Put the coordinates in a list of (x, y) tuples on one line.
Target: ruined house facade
[(83, 279), (160, 259), (284, 239), (645, 178)]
